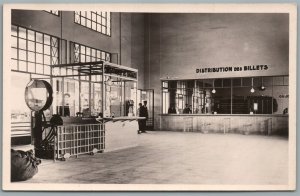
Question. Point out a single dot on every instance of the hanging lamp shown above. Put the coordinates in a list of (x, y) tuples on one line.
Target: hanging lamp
[(252, 89), (214, 90)]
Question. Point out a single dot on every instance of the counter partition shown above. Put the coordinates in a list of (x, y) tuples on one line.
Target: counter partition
[(266, 124)]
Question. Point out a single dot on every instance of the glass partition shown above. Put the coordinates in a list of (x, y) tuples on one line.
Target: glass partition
[(251, 95)]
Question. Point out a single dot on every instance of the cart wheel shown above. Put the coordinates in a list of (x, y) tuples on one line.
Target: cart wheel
[(66, 156), (94, 151)]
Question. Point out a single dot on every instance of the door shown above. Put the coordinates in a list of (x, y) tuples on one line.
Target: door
[(148, 95)]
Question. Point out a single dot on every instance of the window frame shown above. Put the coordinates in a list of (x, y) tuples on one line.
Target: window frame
[(107, 26)]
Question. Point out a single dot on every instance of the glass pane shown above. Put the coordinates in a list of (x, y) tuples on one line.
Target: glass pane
[(54, 61), (94, 18), (22, 66), (226, 82), (47, 69), (87, 59), (89, 24), (98, 18), (103, 21), (31, 46), (83, 21), (94, 26), (14, 42), (22, 32), (103, 29), (39, 68), (82, 49), (246, 81), (39, 47), (98, 28), (22, 44), (108, 17), (107, 58), (47, 49), (98, 54), (93, 53), (31, 35), (82, 58), (257, 81), (54, 42), (286, 80), (88, 15), (22, 55), (14, 64), (77, 18), (47, 60), (47, 39), (39, 37), (14, 53), (63, 71), (277, 81), (88, 51), (39, 58), (19, 110), (14, 30), (31, 56), (237, 82), (31, 67), (268, 81)]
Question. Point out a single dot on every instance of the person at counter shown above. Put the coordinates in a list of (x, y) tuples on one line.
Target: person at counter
[(172, 110), (139, 114), (187, 110), (143, 112)]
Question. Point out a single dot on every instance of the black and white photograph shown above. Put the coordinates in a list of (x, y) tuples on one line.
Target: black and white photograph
[(149, 97)]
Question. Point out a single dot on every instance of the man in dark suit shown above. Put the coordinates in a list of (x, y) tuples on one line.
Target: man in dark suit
[(144, 113)]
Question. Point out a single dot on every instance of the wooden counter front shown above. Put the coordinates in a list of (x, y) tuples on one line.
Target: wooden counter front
[(221, 123)]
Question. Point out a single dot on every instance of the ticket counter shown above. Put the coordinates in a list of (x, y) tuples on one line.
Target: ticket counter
[(249, 105), (218, 123)]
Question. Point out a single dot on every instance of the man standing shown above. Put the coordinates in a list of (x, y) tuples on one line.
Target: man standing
[(144, 113), (140, 121)]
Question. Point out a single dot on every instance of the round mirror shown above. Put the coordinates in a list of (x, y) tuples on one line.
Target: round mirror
[(38, 95)]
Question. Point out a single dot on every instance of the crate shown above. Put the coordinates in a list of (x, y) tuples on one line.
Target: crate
[(74, 140)]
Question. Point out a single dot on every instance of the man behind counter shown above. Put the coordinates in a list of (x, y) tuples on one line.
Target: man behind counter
[(187, 110)]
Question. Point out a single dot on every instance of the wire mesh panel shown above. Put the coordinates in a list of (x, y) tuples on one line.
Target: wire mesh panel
[(73, 140)]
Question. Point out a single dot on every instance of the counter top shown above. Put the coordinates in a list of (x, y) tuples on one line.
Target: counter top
[(121, 118), (254, 115)]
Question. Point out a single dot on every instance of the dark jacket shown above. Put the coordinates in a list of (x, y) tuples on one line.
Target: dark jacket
[(144, 111)]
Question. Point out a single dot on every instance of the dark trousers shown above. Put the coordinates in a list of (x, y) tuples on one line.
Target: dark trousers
[(142, 125)]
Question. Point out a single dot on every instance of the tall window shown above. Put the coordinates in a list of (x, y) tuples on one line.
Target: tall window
[(32, 54), (54, 12), (32, 51), (84, 53), (98, 21), (256, 95)]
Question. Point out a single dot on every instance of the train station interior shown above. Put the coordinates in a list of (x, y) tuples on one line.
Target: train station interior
[(151, 98)]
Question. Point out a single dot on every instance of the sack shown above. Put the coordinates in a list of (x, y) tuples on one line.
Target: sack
[(24, 165)]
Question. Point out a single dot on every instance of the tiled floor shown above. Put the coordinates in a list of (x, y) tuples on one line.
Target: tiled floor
[(184, 158)]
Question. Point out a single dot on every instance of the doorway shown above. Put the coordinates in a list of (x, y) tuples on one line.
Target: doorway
[(148, 95)]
